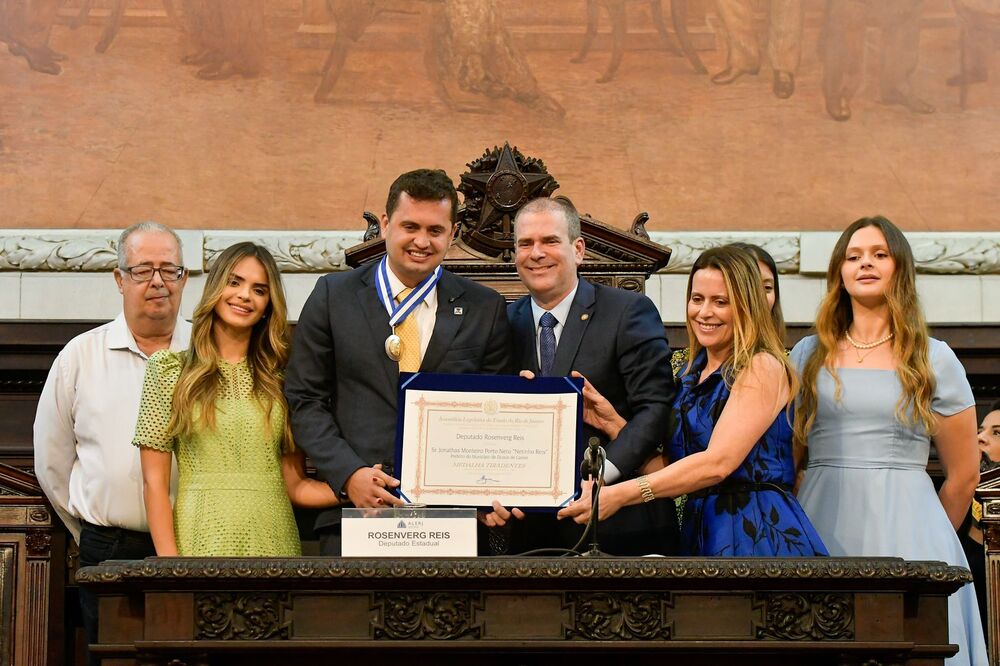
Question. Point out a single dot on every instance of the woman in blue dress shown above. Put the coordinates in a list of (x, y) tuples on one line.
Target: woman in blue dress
[(730, 443), (876, 389)]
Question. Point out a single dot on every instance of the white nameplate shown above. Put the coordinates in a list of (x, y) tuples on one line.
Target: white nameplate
[(408, 532)]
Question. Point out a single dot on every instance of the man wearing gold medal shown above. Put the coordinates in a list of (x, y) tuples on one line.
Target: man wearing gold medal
[(359, 329)]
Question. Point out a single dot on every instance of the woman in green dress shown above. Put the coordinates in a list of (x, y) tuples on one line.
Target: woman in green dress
[(218, 407)]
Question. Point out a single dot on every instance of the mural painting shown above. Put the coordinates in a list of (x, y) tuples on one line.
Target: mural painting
[(708, 114)]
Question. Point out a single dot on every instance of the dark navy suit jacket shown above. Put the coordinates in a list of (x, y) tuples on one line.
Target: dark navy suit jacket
[(342, 387), (615, 338)]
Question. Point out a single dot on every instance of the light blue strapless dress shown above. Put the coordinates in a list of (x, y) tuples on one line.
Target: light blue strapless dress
[(866, 489)]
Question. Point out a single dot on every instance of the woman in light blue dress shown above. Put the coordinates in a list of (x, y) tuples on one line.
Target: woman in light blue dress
[(874, 385)]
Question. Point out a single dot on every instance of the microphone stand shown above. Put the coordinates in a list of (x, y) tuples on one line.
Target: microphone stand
[(594, 461)]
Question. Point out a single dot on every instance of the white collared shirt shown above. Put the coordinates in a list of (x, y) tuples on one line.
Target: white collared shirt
[(560, 312), (426, 312), (84, 458)]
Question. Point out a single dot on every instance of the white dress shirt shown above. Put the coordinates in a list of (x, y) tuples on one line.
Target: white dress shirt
[(561, 312), (426, 312), (84, 458)]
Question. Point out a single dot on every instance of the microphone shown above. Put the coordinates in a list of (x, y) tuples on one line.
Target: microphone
[(591, 458)]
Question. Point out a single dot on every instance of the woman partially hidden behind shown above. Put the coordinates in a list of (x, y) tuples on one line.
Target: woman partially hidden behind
[(875, 391)]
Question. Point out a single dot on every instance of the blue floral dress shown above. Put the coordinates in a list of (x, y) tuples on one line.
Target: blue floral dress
[(752, 513)]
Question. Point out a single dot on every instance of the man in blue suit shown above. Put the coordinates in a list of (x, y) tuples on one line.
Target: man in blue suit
[(615, 339)]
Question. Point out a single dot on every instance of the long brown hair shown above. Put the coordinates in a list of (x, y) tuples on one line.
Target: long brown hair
[(906, 320), (198, 385), (753, 328), (764, 257)]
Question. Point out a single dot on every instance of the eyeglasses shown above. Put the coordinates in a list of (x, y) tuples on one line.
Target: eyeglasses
[(168, 273)]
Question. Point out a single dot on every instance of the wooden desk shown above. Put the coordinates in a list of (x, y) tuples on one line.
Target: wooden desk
[(839, 611)]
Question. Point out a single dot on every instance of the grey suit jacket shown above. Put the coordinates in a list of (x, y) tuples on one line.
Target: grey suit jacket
[(342, 387)]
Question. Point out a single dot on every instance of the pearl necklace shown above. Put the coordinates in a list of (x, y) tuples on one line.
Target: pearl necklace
[(868, 345)]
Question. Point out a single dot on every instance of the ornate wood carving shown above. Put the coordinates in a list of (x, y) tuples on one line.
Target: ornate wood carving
[(61, 250), (18, 482), (38, 542), (988, 493), (425, 615), (250, 616), (794, 616), (27, 548), (500, 610), (495, 187), (867, 571), (610, 616)]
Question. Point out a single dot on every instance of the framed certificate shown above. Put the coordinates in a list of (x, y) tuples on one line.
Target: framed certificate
[(466, 440)]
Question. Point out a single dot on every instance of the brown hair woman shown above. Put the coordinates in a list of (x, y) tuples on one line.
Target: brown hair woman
[(219, 408), (876, 389)]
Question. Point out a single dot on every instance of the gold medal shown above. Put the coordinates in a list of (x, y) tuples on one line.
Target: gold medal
[(393, 347)]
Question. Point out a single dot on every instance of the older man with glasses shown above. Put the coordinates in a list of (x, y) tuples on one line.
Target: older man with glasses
[(86, 416)]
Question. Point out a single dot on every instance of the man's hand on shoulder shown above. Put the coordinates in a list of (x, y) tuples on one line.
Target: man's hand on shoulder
[(367, 488)]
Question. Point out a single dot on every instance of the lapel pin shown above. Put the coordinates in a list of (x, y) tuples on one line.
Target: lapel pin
[(459, 310), (584, 317)]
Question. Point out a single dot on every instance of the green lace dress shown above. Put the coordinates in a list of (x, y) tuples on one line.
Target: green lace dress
[(231, 498)]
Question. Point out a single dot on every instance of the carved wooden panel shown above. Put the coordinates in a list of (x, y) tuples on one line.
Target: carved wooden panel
[(425, 615), (794, 616), (609, 616), (8, 552), (250, 616)]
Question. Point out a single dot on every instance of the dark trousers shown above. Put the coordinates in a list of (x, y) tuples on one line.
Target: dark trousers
[(976, 555), (97, 544), (844, 45), (329, 540)]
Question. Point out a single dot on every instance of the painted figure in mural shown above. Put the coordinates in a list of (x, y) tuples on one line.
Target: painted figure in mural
[(464, 41), (844, 52), (352, 18), (225, 38), (616, 12), (113, 22), (978, 20), (477, 51), (25, 25), (784, 42)]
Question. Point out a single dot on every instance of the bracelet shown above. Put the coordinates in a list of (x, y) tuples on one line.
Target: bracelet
[(645, 490)]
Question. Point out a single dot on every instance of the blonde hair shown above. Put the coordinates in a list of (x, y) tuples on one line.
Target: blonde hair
[(754, 329), (198, 385), (910, 345), (764, 257)]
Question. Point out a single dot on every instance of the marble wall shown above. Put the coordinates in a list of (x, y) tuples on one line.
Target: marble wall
[(65, 274)]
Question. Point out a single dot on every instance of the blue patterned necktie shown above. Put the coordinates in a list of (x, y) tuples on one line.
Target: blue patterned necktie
[(547, 342)]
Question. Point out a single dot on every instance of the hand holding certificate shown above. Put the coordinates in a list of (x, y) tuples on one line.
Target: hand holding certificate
[(467, 440)]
